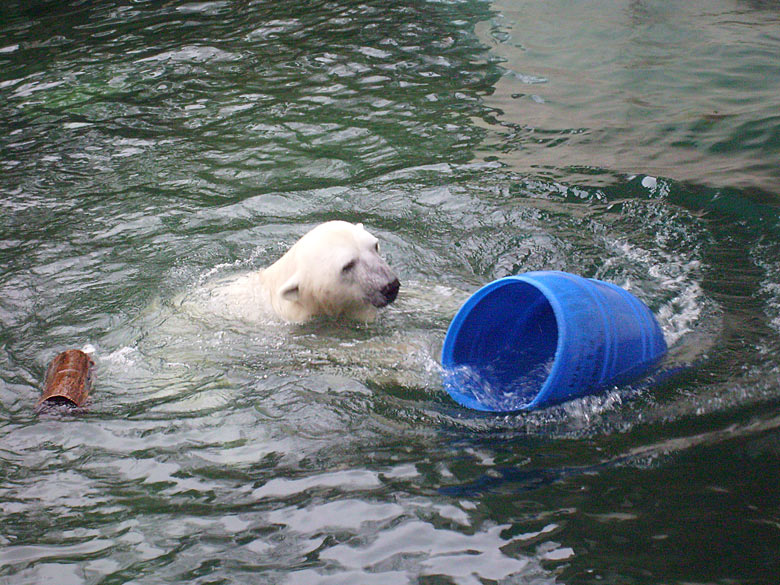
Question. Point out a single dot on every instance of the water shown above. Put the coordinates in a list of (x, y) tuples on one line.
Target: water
[(481, 386), (150, 148)]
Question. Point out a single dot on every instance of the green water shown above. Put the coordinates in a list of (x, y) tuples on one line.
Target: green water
[(148, 148)]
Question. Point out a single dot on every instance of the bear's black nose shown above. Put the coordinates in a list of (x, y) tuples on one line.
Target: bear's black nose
[(390, 290)]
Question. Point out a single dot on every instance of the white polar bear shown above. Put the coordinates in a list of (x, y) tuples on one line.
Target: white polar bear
[(333, 270)]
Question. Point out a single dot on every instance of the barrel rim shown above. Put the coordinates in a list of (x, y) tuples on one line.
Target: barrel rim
[(528, 278)]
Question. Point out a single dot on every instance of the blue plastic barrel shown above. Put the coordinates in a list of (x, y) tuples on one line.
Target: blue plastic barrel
[(541, 338)]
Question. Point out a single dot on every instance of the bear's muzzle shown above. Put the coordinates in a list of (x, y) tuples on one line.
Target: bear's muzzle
[(387, 294)]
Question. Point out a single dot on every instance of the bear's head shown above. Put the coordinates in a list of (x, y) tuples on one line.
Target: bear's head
[(336, 270)]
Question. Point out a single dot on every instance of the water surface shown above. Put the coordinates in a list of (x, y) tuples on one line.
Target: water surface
[(149, 148)]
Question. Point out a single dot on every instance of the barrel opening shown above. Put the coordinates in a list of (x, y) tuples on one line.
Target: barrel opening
[(505, 347)]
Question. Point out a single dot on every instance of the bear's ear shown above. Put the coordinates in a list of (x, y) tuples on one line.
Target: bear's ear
[(289, 290)]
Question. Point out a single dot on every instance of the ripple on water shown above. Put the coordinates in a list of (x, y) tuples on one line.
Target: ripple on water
[(150, 148)]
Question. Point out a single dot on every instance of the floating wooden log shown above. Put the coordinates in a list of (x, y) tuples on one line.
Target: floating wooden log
[(68, 380)]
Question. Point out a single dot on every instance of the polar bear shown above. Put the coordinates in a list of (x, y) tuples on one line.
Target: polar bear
[(334, 270)]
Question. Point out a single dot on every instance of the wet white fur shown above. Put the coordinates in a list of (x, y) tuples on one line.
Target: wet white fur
[(334, 270)]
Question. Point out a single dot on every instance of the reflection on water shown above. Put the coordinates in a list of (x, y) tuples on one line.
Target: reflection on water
[(148, 149), (686, 90)]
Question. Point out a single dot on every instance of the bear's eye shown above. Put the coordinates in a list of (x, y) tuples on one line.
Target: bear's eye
[(376, 247), (349, 265)]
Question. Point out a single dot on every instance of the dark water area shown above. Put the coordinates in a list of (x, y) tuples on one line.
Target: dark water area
[(147, 148)]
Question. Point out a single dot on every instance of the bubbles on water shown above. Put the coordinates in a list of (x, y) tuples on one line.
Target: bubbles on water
[(765, 254), (121, 357)]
